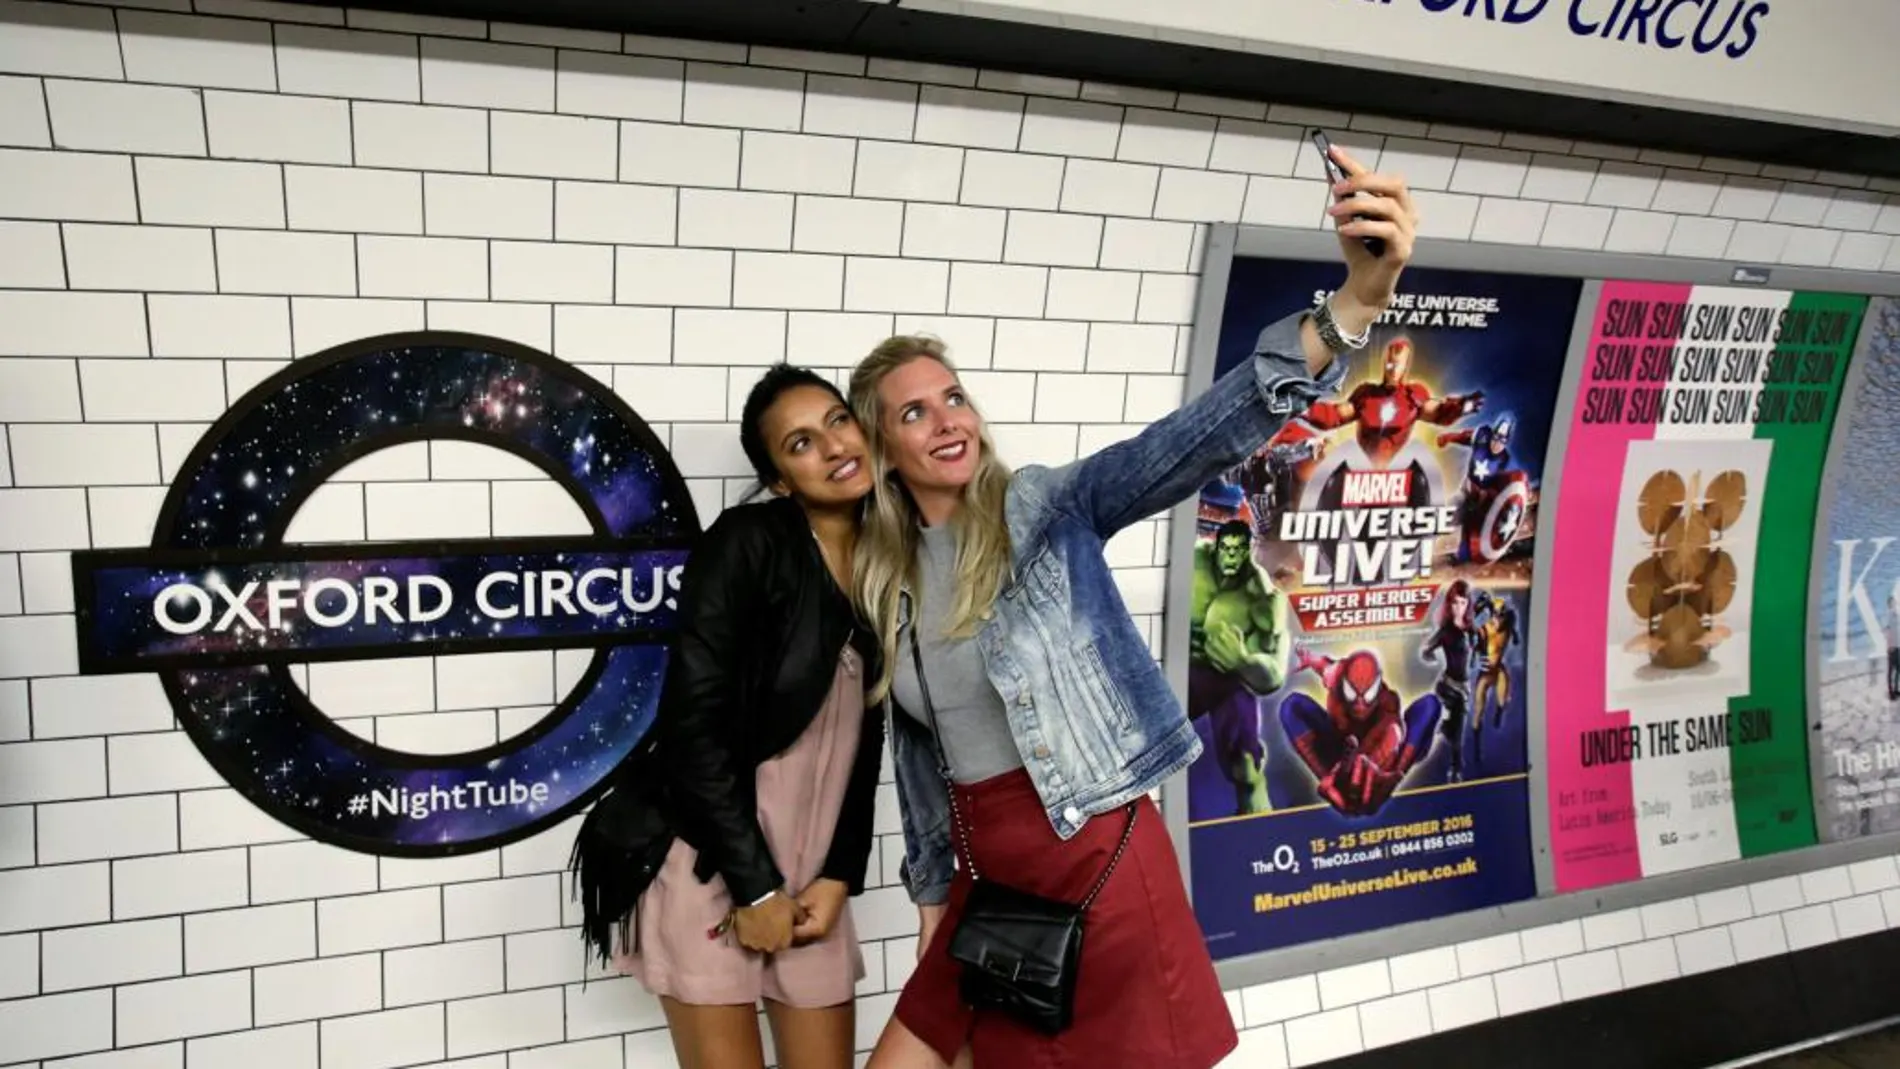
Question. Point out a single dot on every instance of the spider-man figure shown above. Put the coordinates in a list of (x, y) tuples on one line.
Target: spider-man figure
[(1358, 746)]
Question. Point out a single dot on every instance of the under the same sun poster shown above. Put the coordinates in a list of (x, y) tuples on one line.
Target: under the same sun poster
[(1362, 600), (1676, 673)]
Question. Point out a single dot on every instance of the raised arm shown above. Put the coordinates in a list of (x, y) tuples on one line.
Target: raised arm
[(1290, 368), (1441, 411), (1331, 415)]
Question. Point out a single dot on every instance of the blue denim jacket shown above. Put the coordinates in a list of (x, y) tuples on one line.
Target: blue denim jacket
[(1094, 718)]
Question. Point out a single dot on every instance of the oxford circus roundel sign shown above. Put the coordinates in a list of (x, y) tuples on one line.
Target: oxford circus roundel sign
[(222, 608)]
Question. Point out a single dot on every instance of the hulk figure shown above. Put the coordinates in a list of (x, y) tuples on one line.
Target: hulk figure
[(1237, 651)]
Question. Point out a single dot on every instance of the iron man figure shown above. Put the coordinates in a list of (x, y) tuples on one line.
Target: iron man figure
[(1384, 412)]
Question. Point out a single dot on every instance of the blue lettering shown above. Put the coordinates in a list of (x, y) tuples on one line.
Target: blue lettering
[(1639, 20), (1749, 33), (1512, 16), (1616, 14), (1702, 26), (1578, 26), (1516, 12), (1663, 36)]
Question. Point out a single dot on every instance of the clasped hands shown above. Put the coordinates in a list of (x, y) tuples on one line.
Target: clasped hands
[(783, 921), (1356, 785)]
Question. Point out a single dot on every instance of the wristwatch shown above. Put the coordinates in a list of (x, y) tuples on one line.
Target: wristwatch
[(1330, 334)]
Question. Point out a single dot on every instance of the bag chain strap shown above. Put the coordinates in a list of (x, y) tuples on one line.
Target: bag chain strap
[(956, 813)]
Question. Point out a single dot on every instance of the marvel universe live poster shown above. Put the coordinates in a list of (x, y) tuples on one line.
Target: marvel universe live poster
[(1677, 690), (1857, 763), (1361, 594)]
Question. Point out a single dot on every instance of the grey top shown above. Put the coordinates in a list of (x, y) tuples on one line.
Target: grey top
[(970, 714)]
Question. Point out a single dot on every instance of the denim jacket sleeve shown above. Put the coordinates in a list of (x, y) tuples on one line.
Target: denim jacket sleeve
[(1180, 453), (923, 804)]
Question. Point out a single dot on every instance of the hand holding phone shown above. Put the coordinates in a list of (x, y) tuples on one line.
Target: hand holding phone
[(1334, 175)]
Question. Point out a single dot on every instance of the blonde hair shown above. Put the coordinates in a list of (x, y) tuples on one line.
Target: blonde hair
[(885, 561)]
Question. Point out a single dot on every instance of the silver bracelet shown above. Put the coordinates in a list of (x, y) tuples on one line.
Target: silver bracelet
[(1330, 334)]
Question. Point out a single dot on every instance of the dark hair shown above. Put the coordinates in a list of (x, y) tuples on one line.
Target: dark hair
[(777, 379), (1459, 588), (1234, 529)]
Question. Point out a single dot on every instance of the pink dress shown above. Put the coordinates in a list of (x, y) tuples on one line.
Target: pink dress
[(800, 793)]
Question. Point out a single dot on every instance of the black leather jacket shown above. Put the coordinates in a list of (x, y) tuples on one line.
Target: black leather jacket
[(762, 626)]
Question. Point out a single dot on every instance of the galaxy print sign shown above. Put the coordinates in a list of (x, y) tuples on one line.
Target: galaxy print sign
[(221, 607)]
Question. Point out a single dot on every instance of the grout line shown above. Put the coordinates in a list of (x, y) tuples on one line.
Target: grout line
[(46, 105)]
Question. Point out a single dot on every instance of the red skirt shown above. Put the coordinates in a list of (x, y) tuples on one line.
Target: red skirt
[(1146, 993)]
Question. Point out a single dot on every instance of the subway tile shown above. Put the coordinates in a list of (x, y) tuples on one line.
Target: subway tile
[(1354, 983), (60, 40), (1166, 137), (481, 74), (750, 97), (619, 87), (1324, 1036), (1531, 987), (190, 50), (968, 117), (1810, 926), (859, 107), (68, 186), (115, 117), (1858, 916), (1464, 1003), (1704, 950), (1391, 1021), (282, 128), (1648, 962), (1281, 1000), (1760, 937), (1212, 197), (1070, 128), (1588, 975), (355, 64)]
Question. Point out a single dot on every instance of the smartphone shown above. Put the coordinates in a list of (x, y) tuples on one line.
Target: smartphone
[(1375, 246)]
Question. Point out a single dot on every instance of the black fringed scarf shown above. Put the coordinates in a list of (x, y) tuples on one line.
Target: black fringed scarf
[(622, 843)]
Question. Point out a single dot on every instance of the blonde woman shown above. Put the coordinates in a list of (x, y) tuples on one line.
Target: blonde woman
[(1030, 719)]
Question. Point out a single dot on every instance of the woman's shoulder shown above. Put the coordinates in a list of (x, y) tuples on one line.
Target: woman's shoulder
[(745, 534), (753, 519)]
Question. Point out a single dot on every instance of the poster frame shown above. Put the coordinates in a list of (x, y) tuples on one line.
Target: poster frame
[(1225, 241)]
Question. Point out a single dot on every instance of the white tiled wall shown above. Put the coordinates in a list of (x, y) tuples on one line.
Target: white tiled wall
[(192, 193)]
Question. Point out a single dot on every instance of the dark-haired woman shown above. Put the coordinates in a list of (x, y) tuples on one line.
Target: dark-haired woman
[(760, 779)]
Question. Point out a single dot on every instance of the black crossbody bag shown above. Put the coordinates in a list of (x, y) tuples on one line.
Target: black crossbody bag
[(1019, 951)]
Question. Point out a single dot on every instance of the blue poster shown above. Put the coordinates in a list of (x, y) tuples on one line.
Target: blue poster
[(1857, 719), (1361, 596)]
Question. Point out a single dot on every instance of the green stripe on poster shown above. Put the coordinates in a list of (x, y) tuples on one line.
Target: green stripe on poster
[(1768, 755)]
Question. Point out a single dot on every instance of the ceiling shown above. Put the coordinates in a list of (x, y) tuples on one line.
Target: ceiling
[(885, 28)]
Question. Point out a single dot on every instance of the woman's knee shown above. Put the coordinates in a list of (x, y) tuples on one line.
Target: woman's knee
[(714, 1036)]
